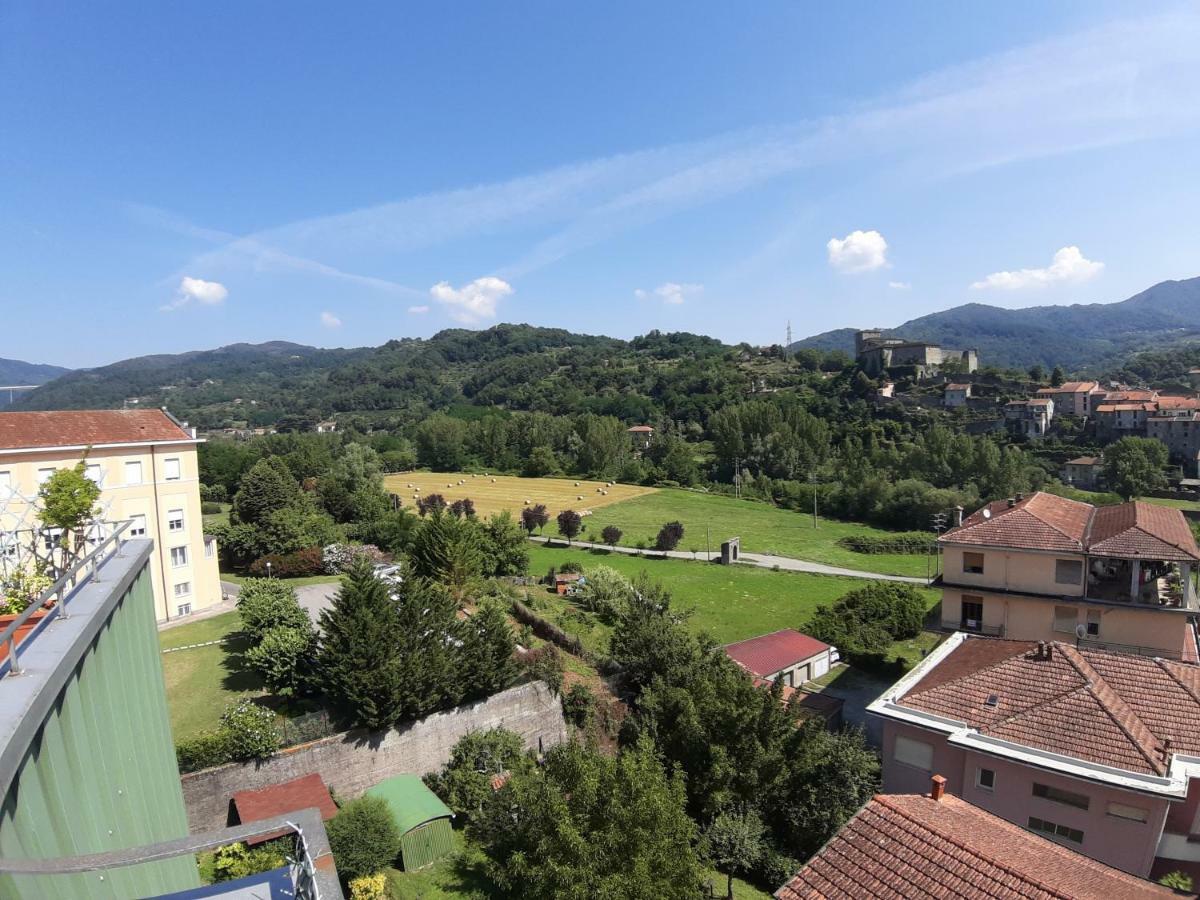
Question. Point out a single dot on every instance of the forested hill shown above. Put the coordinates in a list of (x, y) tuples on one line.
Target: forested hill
[(1083, 337), (517, 367), (15, 371)]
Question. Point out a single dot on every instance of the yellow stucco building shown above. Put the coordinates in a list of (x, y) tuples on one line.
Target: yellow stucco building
[(146, 466)]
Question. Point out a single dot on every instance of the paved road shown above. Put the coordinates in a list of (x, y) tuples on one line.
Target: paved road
[(752, 559), (313, 597)]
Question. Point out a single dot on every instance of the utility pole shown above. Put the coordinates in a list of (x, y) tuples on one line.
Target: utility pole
[(737, 477), (938, 524), (787, 348), (708, 543), (812, 479)]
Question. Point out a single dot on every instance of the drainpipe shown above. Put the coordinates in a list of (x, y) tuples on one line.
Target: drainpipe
[(162, 562)]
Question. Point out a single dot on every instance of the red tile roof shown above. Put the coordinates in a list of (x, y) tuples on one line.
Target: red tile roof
[(280, 799), (1075, 387), (1108, 708), (768, 653), (957, 387), (905, 845), (1085, 461), (1178, 403), (82, 428), (1133, 530), (640, 428)]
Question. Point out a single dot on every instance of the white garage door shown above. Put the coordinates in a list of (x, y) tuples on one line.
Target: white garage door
[(820, 666)]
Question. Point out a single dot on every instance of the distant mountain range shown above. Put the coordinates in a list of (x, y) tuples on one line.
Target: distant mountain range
[(1083, 337), (18, 372)]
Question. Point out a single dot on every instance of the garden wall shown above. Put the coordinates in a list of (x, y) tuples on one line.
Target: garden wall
[(353, 761)]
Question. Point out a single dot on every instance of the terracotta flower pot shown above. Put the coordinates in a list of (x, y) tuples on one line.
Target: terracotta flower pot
[(27, 626)]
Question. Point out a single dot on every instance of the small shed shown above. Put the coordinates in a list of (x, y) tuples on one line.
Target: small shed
[(564, 581), (280, 799), (786, 655), (423, 819)]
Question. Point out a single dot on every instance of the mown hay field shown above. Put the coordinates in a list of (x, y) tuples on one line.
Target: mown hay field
[(495, 493)]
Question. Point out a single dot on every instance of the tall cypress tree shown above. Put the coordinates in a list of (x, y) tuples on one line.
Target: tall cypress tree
[(358, 664), (429, 652), (489, 646)]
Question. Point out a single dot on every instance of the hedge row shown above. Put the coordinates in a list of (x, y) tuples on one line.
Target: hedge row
[(912, 542)]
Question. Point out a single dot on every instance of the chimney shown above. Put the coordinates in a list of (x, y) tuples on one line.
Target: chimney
[(1049, 651), (958, 513), (937, 787), (1020, 497), (1012, 501), (1041, 650)]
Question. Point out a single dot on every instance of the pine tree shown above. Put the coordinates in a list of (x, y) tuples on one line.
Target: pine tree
[(490, 647), (430, 652), (267, 488), (359, 662)]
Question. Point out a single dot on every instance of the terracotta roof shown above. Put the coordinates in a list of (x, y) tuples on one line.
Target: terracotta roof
[(1042, 521), (906, 845), (1075, 387), (1178, 403), (768, 653), (957, 387), (1085, 461), (1109, 708), (280, 799), (81, 428), (640, 428), (1039, 402), (1130, 396), (1125, 407)]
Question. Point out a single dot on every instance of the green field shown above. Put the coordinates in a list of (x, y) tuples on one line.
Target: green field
[(294, 582), (203, 681), (711, 519), (728, 602)]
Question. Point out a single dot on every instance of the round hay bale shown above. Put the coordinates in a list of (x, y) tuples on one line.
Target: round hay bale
[(493, 481), (580, 497), (577, 484), (526, 501)]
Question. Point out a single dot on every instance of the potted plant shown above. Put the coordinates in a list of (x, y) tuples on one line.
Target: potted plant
[(17, 591)]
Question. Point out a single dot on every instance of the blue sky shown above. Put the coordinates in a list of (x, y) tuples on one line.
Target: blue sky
[(182, 176)]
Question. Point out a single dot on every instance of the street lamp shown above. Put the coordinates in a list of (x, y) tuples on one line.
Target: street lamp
[(268, 570)]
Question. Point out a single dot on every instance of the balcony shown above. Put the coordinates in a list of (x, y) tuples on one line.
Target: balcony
[(1149, 583), (971, 627)]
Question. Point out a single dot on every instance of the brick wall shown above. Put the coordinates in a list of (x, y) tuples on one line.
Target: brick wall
[(353, 761)]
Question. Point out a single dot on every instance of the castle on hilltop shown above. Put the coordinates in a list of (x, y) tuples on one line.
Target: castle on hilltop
[(876, 354)]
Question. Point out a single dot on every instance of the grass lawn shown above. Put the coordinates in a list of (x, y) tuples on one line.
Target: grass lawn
[(494, 493), (763, 529), (203, 681), (1173, 504), (294, 582), (220, 518), (729, 602)]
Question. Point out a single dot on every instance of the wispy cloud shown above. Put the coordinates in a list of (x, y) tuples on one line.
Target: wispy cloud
[(859, 251), (198, 291), (472, 302), (329, 320), (418, 310), (1069, 266), (670, 292), (1124, 81), (900, 285)]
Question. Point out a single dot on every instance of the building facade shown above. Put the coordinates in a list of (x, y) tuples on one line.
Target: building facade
[(1047, 568), (146, 466), (876, 354)]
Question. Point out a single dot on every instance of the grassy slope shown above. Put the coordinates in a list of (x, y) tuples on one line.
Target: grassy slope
[(762, 528), (203, 681), (294, 582), (728, 602)]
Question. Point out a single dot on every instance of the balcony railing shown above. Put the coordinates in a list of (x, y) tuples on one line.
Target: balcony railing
[(74, 568), (989, 630), (1132, 649)]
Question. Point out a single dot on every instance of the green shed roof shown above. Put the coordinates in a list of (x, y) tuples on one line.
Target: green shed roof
[(411, 802)]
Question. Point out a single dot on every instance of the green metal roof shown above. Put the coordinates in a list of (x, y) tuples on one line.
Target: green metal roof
[(411, 802)]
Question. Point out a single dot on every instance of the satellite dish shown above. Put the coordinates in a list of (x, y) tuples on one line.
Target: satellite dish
[(1081, 631), (987, 513)]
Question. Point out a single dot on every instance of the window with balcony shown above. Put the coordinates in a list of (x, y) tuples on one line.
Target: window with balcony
[(133, 472), (171, 469), (1053, 830), (1068, 571), (909, 752), (175, 520), (1065, 619), (972, 614), (972, 563), (1058, 795), (179, 556)]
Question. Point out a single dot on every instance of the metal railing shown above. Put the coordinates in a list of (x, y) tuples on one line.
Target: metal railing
[(1131, 649), (57, 596), (989, 630)]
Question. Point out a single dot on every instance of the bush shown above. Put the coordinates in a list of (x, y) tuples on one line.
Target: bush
[(1177, 881), (301, 564), (266, 603), (283, 657), (364, 837), (210, 508), (369, 887), (250, 730), (605, 592), (579, 705), (571, 566), (865, 622), (214, 493), (611, 535), (236, 860), (337, 558), (669, 536), (203, 751), (545, 664), (909, 542)]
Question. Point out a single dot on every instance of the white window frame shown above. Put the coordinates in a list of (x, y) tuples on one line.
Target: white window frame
[(137, 525), (95, 472), (913, 753), (170, 464), (179, 556), (210, 549), (186, 589), (43, 475), (5, 483), (134, 465), (183, 609), (979, 779), (171, 520)]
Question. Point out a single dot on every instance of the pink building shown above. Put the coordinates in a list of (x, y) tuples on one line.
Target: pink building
[(1047, 568), (1097, 751)]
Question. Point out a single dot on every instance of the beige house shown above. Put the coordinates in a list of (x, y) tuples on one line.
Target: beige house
[(145, 464), (1085, 472), (1047, 568), (956, 395)]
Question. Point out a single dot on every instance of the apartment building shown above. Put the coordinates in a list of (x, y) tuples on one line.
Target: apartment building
[(1094, 750), (1075, 398), (145, 464), (1179, 429), (1044, 567), (1117, 420)]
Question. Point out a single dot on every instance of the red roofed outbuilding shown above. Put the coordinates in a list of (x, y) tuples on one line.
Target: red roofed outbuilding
[(280, 799), (785, 655)]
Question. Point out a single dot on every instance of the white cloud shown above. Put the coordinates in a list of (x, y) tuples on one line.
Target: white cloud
[(418, 310), (670, 292), (472, 302), (900, 285), (197, 290), (1069, 266), (859, 251), (329, 320)]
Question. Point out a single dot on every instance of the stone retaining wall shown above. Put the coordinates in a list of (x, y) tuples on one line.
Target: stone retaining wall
[(353, 761)]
